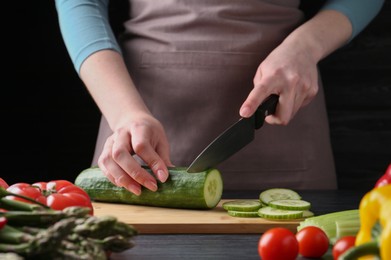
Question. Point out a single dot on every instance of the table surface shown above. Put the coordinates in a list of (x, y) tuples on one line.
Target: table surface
[(230, 246)]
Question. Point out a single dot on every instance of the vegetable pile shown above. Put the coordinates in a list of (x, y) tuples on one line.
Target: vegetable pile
[(282, 244), (57, 194), (31, 229), (274, 204), (374, 236)]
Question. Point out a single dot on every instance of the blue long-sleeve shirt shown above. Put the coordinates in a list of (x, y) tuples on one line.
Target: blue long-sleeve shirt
[(86, 29)]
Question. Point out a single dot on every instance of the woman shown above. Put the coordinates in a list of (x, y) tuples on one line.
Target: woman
[(183, 71)]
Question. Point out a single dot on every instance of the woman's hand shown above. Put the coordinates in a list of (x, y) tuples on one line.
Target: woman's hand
[(135, 130), (290, 72), (145, 137)]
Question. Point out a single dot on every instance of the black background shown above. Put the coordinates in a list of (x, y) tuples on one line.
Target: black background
[(49, 121)]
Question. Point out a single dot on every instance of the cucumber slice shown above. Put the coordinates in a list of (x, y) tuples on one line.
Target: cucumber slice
[(308, 213), (242, 205), (273, 213), (243, 214), (290, 204), (278, 194)]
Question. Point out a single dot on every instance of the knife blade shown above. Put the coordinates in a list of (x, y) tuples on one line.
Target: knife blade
[(234, 138)]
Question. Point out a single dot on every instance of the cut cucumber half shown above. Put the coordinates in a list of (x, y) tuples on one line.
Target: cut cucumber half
[(290, 204), (278, 194), (242, 205), (201, 190), (273, 213), (243, 214)]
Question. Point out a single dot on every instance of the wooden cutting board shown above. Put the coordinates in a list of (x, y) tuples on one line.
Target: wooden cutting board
[(157, 220)]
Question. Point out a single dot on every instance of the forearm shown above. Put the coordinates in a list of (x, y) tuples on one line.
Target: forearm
[(321, 35), (107, 79)]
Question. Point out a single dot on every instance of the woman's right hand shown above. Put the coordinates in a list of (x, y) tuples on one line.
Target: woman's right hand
[(144, 136)]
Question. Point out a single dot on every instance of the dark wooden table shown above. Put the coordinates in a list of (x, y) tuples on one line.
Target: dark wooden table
[(230, 246)]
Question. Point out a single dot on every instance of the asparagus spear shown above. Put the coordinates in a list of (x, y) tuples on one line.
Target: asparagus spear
[(9, 234), (34, 218), (46, 241), (71, 233), (19, 205), (10, 256), (4, 193)]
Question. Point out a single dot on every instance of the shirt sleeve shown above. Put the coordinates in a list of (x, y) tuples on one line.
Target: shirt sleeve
[(85, 28), (359, 12)]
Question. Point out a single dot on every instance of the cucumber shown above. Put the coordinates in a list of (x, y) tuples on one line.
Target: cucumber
[(242, 205), (273, 213), (290, 204), (202, 190), (278, 194), (243, 214), (308, 214)]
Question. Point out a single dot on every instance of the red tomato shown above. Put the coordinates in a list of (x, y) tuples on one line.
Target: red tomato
[(3, 183), (58, 194), (343, 244), (313, 242), (278, 243), (385, 179), (3, 222)]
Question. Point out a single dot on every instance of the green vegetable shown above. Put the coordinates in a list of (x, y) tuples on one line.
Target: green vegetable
[(347, 227), (275, 204), (275, 214), (243, 214), (290, 204), (278, 194), (367, 249), (347, 219), (308, 214), (72, 233), (201, 190), (370, 248), (242, 205)]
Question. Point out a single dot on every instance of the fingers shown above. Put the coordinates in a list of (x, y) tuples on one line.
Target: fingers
[(122, 169), (293, 92), (150, 144), (115, 173), (146, 152)]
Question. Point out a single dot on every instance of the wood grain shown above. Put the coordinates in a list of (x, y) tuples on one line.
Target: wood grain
[(157, 220)]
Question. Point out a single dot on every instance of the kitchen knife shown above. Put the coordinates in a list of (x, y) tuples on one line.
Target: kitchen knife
[(234, 138)]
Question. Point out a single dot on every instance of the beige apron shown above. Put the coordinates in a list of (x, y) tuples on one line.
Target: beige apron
[(194, 62)]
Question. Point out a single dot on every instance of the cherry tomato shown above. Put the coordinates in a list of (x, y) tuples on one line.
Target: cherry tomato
[(278, 244), (3, 222), (343, 244), (3, 183), (58, 194), (313, 242)]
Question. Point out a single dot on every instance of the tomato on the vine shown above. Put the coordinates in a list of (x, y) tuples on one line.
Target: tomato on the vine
[(342, 245), (278, 243), (58, 194), (3, 183), (313, 242)]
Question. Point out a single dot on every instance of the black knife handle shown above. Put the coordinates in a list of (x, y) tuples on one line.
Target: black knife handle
[(268, 107)]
